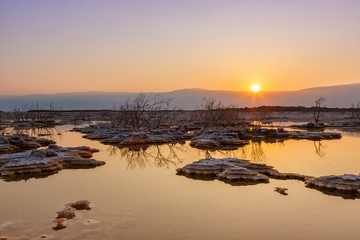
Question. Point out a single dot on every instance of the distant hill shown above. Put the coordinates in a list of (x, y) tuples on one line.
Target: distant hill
[(337, 96)]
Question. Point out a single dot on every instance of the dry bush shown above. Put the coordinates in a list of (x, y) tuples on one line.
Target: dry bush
[(213, 112), (34, 113), (355, 110), (318, 108), (142, 111)]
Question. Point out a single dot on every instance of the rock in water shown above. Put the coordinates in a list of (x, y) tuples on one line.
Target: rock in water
[(347, 185), (43, 162), (60, 224), (281, 190), (68, 213), (80, 205), (236, 174)]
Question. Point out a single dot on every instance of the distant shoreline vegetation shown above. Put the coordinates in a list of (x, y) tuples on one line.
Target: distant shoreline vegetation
[(245, 109)]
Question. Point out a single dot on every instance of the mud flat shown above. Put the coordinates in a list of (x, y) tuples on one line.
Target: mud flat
[(44, 162)]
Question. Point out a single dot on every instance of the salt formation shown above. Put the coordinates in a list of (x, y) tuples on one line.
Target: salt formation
[(347, 185), (129, 137), (233, 170), (344, 124), (60, 223), (241, 174), (281, 190), (21, 142), (213, 140), (80, 205), (69, 212), (43, 162), (229, 138)]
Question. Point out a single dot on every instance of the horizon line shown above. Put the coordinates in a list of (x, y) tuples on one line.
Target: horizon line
[(138, 92)]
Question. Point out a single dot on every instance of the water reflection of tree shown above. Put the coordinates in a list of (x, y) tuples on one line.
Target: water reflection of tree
[(257, 153), (319, 149), (164, 155), (224, 153), (49, 132), (351, 131)]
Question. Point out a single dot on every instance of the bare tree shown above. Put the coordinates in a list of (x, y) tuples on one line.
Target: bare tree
[(355, 110), (142, 111), (213, 112), (318, 108), (34, 113), (1, 123)]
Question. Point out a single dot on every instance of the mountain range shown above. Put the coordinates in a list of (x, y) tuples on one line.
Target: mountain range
[(341, 96)]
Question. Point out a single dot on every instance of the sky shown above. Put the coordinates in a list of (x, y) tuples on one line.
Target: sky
[(49, 46)]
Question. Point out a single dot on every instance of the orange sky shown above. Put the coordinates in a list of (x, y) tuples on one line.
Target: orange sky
[(71, 46)]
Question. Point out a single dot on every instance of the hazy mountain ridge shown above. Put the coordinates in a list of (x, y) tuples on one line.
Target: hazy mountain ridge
[(337, 96)]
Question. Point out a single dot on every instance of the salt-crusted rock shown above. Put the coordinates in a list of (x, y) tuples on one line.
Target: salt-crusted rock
[(204, 142), (216, 139), (116, 139), (347, 185), (68, 213), (265, 133), (44, 141), (80, 205), (137, 138), (344, 124), (310, 125), (60, 223), (235, 174), (281, 190), (233, 169), (16, 143), (127, 137), (43, 162), (8, 148)]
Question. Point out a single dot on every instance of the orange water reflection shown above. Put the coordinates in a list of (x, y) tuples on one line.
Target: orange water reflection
[(137, 195)]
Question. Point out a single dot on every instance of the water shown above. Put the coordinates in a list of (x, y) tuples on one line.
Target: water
[(137, 195)]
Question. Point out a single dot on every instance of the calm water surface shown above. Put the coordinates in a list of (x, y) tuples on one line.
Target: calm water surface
[(137, 195)]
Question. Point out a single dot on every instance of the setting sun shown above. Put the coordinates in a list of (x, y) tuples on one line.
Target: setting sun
[(255, 88)]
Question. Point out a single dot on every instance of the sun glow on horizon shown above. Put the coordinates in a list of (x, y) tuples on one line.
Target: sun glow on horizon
[(255, 88)]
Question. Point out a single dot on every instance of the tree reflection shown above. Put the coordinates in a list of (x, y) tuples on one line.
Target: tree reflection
[(257, 152), (48, 132), (165, 155), (351, 131), (254, 151), (319, 149)]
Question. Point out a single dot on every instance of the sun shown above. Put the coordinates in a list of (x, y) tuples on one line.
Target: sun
[(255, 88)]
